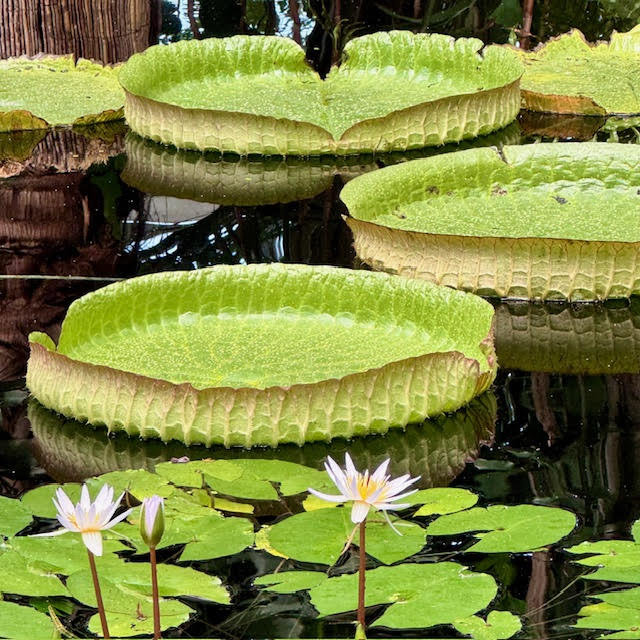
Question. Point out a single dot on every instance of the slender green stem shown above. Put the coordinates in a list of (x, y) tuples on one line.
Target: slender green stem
[(361, 576), (96, 587), (156, 599)]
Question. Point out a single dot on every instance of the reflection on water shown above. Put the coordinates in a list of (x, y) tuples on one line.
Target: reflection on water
[(437, 449)]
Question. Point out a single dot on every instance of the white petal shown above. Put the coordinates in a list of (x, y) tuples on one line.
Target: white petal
[(379, 474), (402, 495), (386, 515), (117, 519), (327, 497), (111, 508), (337, 475), (57, 532), (85, 499), (399, 485), (391, 506), (359, 511), (103, 499), (93, 542), (64, 504), (351, 470), (66, 523)]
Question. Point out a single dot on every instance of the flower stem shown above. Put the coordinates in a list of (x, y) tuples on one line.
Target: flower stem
[(96, 587), (156, 599), (361, 576)]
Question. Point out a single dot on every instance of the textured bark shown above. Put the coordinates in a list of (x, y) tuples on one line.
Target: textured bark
[(103, 30)]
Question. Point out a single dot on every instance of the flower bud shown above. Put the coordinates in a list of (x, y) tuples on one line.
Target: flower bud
[(152, 520)]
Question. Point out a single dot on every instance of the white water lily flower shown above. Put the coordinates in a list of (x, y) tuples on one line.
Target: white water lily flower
[(375, 491), (88, 518)]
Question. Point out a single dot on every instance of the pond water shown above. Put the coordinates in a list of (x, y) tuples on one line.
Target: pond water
[(560, 426)]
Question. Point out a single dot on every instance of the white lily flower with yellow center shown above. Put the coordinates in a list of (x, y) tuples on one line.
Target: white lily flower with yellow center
[(367, 491), (88, 518)]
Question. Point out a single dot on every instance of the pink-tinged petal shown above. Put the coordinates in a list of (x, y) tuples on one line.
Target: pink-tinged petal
[(85, 498), (359, 511), (391, 506), (104, 497), (117, 519), (93, 541), (379, 474), (57, 532), (64, 504), (327, 497)]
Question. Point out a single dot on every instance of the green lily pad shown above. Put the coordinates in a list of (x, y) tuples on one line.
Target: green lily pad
[(437, 449), (553, 221), (497, 626), (14, 516), (138, 482), (320, 536), (619, 611), (421, 595), (55, 90), (439, 500), (569, 339), (218, 537), (504, 529), (40, 499), (191, 474), (20, 577), (291, 581), (567, 75), (257, 94), (264, 354), (14, 619)]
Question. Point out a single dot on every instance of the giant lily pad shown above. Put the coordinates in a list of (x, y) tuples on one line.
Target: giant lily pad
[(264, 354), (563, 338), (567, 75), (551, 221), (437, 449), (257, 94), (55, 90)]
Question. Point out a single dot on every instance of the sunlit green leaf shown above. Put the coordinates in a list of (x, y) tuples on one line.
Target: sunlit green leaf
[(320, 536), (190, 474), (441, 500), (40, 499), (497, 626), (138, 482), (216, 537), (15, 620), (507, 528), (421, 595), (617, 560), (618, 611), (18, 576), (14, 516)]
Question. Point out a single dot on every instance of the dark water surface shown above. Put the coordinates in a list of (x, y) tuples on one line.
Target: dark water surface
[(560, 427)]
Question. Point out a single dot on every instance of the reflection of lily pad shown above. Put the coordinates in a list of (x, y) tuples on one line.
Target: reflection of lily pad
[(264, 354), (395, 90), (437, 449), (507, 528), (567, 75), (55, 90), (551, 221), (563, 338)]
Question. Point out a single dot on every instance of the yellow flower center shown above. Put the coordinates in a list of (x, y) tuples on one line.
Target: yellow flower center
[(367, 486)]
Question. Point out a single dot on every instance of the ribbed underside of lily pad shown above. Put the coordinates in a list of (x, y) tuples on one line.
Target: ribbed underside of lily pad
[(262, 355), (45, 91), (544, 221), (257, 94), (588, 339), (437, 449), (568, 75)]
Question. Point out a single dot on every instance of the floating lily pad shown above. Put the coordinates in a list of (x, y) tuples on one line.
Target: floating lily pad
[(497, 626), (437, 449), (549, 221), (257, 94), (421, 595), (20, 577), (36, 93), (568, 75), (440, 500), (264, 354), (14, 516), (619, 611), (503, 529), (563, 338), (14, 619)]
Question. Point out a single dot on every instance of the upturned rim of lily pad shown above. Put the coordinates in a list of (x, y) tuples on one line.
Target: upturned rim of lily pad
[(172, 96), (450, 368), (65, 110), (507, 222)]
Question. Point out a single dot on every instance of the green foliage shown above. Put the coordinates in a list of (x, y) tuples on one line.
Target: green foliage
[(14, 516), (498, 626), (15, 620), (441, 500), (503, 529)]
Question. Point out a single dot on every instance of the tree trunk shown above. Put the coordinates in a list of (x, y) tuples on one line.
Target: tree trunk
[(105, 30)]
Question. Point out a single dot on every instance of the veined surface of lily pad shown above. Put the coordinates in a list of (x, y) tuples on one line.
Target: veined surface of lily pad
[(264, 354), (437, 449), (257, 94), (568, 75), (46, 91), (559, 337), (544, 221)]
